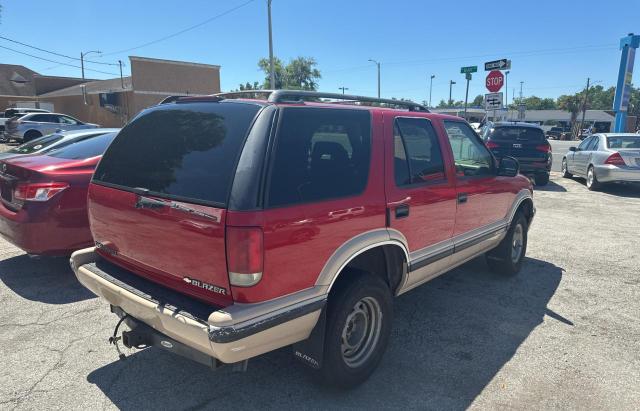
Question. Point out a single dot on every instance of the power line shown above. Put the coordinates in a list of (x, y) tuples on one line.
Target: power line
[(463, 58), (54, 53), (57, 62), (202, 23)]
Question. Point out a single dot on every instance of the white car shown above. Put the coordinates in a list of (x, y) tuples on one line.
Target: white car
[(34, 125), (604, 158), (54, 141)]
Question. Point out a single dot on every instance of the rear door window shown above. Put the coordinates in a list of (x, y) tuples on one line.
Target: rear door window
[(184, 151), (417, 155), (84, 149), (320, 154), (524, 134)]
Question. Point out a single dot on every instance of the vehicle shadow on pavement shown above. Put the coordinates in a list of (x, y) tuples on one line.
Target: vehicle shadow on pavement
[(622, 190), (450, 338), (47, 279), (551, 186)]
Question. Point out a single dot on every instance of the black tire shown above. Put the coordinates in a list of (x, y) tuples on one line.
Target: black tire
[(592, 180), (542, 179), (565, 169), (502, 259), (348, 304), (30, 135)]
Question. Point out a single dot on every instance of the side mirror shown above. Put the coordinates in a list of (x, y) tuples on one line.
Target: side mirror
[(573, 149), (508, 167)]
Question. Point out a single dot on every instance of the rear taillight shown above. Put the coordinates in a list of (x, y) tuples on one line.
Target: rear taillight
[(545, 148), (37, 191), (244, 255), (615, 159), (491, 145)]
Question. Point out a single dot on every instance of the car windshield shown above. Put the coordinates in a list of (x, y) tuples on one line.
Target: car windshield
[(86, 148), (37, 145), (623, 142), (518, 133)]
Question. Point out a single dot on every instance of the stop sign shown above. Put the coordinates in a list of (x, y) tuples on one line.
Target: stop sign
[(495, 80)]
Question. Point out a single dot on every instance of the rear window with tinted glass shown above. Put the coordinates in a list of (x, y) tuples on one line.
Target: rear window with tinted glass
[(623, 142), (185, 151), (87, 148), (37, 144), (518, 134)]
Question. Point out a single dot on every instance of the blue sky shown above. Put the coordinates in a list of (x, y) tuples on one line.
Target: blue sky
[(554, 45)]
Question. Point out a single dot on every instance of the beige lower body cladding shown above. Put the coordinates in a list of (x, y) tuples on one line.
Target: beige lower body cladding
[(193, 333)]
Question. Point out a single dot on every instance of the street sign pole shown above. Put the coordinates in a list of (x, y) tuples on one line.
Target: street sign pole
[(628, 45), (466, 94)]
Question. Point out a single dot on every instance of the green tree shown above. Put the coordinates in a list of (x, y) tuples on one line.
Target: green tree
[(478, 101), (299, 74), (572, 104)]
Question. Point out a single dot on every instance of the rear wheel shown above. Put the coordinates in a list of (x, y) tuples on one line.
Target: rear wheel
[(592, 181), (30, 135), (507, 257), (542, 179), (565, 169), (359, 319)]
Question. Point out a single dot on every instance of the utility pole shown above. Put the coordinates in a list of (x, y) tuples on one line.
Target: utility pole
[(584, 105), (343, 89), (506, 88), (82, 56), (121, 79), (431, 87), (377, 63), (451, 83), (521, 92), (272, 72), (466, 94)]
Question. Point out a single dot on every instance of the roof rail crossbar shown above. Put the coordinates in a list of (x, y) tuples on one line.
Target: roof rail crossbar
[(296, 96)]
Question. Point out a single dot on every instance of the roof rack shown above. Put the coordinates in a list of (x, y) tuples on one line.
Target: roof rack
[(297, 96)]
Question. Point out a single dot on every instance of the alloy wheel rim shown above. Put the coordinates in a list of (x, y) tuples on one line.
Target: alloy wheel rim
[(590, 177), (564, 166), (517, 243), (361, 332)]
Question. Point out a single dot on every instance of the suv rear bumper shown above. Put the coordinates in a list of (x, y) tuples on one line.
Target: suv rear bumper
[(230, 334)]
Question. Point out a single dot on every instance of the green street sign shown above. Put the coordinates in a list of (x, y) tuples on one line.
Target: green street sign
[(470, 69), (467, 76)]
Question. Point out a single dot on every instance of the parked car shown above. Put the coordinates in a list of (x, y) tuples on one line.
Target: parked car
[(197, 207), (555, 133), (54, 141), (525, 142), (43, 206), (34, 125), (16, 112), (604, 158)]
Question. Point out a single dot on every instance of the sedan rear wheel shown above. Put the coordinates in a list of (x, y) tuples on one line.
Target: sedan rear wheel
[(592, 181)]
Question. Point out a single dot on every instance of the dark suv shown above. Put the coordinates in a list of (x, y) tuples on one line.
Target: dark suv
[(229, 226), (524, 141)]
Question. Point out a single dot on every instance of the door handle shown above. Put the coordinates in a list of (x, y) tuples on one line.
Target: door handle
[(402, 211), (462, 198)]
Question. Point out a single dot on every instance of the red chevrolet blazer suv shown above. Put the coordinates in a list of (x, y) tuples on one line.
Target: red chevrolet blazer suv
[(232, 225)]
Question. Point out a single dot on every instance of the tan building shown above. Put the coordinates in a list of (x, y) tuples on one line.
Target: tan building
[(110, 103)]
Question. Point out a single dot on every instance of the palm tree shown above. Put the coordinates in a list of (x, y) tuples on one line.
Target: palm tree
[(572, 104)]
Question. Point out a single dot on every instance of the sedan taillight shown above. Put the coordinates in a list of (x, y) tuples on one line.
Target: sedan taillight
[(615, 159), (37, 191)]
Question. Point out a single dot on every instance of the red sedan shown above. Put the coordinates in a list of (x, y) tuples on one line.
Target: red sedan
[(44, 197)]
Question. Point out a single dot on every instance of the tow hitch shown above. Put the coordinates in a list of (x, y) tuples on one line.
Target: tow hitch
[(142, 336)]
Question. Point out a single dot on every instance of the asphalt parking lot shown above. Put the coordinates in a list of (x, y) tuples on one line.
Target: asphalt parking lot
[(563, 333)]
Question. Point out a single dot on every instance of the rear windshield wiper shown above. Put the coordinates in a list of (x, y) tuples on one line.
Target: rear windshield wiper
[(146, 202)]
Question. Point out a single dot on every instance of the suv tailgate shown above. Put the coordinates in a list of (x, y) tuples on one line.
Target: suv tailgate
[(157, 202)]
